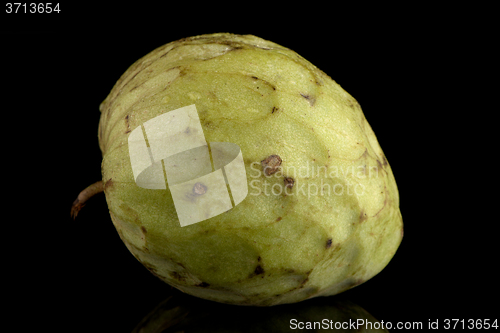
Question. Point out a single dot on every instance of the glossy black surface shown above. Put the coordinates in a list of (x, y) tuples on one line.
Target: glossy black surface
[(73, 276)]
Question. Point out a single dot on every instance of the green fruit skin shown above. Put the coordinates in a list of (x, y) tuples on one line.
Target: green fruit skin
[(272, 248)]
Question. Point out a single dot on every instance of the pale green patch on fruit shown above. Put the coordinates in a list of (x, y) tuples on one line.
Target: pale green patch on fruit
[(327, 220)]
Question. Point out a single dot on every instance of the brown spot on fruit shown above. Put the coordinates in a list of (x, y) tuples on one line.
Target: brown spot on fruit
[(203, 285), (177, 276), (150, 267), (263, 81), (309, 98), (128, 124), (352, 282), (380, 165), (329, 243), (305, 280), (199, 189), (362, 216), (108, 184), (143, 229), (278, 219), (271, 164)]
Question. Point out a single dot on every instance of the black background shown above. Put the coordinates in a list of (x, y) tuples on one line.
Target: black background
[(408, 69)]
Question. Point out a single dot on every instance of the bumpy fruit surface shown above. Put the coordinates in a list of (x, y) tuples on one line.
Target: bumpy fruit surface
[(326, 220)]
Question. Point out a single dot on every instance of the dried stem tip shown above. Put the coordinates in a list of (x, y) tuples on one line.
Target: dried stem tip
[(85, 195), (271, 164)]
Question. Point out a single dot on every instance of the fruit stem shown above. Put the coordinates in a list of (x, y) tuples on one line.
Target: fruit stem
[(85, 195)]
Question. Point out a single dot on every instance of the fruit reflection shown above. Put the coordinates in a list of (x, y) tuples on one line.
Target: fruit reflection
[(184, 313)]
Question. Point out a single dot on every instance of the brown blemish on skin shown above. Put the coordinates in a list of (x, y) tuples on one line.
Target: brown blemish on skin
[(379, 164), (140, 249), (353, 104), (150, 267), (144, 71), (277, 220), (303, 283), (353, 283), (271, 164), (329, 243), (177, 276), (234, 45), (108, 184), (128, 124), (258, 270), (362, 216), (309, 98), (203, 285), (289, 182), (383, 164), (274, 109), (264, 81), (125, 83), (385, 201), (143, 229), (364, 155), (199, 189)]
